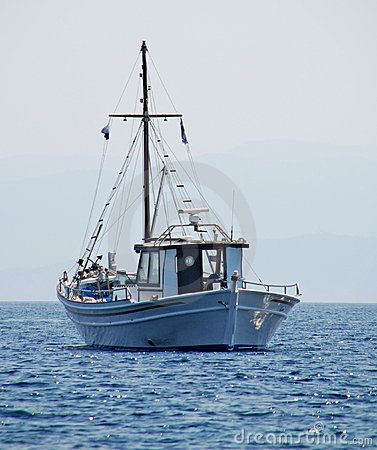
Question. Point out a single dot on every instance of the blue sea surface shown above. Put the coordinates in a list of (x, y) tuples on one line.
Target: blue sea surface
[(315, 387)]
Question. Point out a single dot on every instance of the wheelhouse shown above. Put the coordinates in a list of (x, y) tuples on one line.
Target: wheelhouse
[(180, 268)]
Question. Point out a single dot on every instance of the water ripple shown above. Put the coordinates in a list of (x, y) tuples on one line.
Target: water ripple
[(57, 393)]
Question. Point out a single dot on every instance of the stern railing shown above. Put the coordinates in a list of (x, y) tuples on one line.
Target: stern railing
[(100, 295)]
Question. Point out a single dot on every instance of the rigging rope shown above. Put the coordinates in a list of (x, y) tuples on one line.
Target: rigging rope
[(124, 212), (120, 225), (191, 161), (114, 191), (168, 165), (120, 179), (166, 211), (103, 157), (120, 228), (159, 129), (175, 177), (192, 181), (254, 272), (162, 83), (127, 82), (104, 151)]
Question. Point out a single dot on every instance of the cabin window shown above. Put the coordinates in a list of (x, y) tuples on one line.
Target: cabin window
[(149, 268), (154, 268), (213, 263), (213, 267), (142, 274)]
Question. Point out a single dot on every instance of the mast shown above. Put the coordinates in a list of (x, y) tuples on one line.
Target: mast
[(147, 212), (146, 117)]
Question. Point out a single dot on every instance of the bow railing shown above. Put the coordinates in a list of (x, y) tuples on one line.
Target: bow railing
[(286, 288)]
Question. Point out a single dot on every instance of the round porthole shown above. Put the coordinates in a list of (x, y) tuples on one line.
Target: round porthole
[(189, 260)]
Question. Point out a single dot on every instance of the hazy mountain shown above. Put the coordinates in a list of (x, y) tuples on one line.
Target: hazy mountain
[(327, 267), (312, 206)]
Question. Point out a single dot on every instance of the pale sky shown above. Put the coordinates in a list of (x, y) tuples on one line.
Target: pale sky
[(286, 88), (256, 70)]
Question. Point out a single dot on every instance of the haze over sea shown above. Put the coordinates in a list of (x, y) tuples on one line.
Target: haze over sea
[(316, 384)]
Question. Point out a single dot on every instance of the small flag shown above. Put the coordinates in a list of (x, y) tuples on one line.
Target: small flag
[(183, 134), (106, 132)]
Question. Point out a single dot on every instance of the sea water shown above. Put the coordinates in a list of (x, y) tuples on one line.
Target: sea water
[(315, 386)]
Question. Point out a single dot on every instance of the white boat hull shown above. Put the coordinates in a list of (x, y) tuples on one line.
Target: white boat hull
[(211, 320)]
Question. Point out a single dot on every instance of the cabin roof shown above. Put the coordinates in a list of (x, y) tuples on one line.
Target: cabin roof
[(207, 245)]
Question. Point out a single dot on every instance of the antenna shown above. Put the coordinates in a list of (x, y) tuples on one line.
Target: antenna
[(193, 210), (231, 227)]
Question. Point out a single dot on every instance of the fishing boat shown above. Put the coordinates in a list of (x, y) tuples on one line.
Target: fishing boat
[(188, 291)]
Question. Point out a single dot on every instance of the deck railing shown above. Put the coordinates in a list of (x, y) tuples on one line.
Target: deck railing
[(268, 287), (167, 234), (100, 295), (114, 294)]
